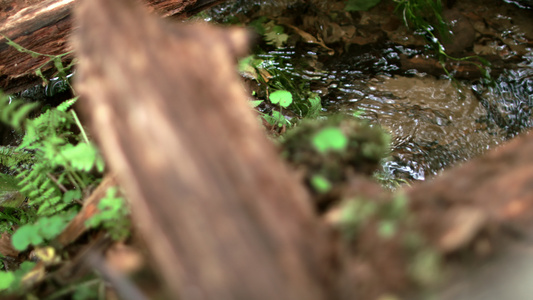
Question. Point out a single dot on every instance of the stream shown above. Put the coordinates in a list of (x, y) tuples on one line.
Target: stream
[(370, 61)]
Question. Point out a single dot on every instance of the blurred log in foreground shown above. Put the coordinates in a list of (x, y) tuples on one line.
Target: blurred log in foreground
[(490, 193), (44, 26), (484, 211), (222, 216)]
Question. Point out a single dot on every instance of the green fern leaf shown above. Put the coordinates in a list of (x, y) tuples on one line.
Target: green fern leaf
[(14, 112), (67, 104), (82, 157)]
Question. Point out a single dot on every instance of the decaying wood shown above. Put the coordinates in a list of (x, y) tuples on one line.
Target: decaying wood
[(222, 215), (491, 193), (483, 210), (44, 26), (76, 226)]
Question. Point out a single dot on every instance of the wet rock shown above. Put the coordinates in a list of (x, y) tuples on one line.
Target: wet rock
[(462, 36)]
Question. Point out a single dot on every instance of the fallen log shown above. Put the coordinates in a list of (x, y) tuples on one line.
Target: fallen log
[(490, 192), (222, 216), (480, 215), (45, 27)]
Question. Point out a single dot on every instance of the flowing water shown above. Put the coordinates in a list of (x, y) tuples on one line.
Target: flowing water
[(368, 61)]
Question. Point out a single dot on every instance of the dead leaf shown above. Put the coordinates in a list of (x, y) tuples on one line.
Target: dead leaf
[(308, 38), (6, 248)]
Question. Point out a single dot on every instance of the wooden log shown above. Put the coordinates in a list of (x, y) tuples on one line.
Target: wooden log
[(45, 27), (491, 193), (222, 216)]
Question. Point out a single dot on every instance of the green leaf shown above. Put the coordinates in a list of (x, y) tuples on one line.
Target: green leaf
[(283, 97), (71, 195), (315, 107), (44, 229), (274, 34), (64, 106), (358, 5), (22, 114), (14, 112), (315, 102), (279, 118), (330, 138), (258, 25), (51, 227), (26, 235), (82, 156), (112, 215), (6, 279), (320, 183), (256, 103)]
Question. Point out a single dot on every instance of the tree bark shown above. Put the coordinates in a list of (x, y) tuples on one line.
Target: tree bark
[(45, 27), (223, 217)]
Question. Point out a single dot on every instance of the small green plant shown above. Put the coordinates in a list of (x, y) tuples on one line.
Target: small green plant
[(330, 139), (425, 16), (6, 279), (327, 150), (45, 229), (392, 221), (53, 169), (113, 216), (63, 157), (283, 99), (12, 281), (272, 33), (314, 108), (387, 180), (12, 157), (54, 165), (271, 72), (320, 183), (57, 60), (286, 95), (251, 67)]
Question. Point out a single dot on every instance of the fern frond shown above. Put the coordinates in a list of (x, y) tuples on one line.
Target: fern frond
[(53, 155), (13, 111), (11, 157), (81, 157), (48, 202), (67, 104)]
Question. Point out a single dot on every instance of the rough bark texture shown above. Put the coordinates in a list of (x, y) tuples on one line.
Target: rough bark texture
[(45, 27), (222, 215)]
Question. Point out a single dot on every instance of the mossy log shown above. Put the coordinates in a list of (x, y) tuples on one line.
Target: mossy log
[(493, 192), (45, 26), (222, 215)]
